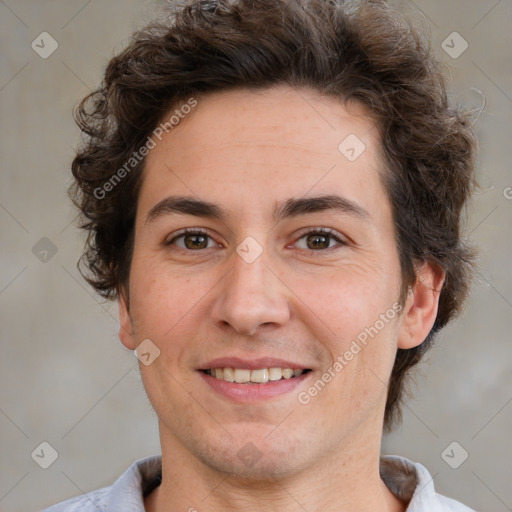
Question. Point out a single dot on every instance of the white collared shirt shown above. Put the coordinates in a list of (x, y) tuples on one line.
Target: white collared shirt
[(407, 480)]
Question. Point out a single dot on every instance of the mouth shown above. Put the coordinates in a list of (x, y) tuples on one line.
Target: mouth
[(256, 376), (254, 384), (249, 380)]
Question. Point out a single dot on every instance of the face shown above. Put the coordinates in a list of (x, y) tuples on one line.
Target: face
[(289, 258)]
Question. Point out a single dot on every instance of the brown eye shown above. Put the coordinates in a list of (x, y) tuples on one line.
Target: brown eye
[(196, 241), (192, 240), (318, 240)]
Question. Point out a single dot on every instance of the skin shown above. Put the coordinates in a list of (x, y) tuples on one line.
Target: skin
[(247, 151)]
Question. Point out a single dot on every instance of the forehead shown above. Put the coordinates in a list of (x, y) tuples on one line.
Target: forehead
[(266, 145)]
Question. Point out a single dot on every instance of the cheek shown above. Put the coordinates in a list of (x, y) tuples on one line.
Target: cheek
[(160, 302), (348, 299), (353, 312)]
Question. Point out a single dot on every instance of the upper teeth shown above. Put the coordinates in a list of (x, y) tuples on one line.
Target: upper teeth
[(263, 375)]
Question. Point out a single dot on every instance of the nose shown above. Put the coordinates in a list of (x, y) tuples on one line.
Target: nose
[(250, 297)]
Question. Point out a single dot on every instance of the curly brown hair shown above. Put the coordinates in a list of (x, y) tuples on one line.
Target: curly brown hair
[(349, 50)]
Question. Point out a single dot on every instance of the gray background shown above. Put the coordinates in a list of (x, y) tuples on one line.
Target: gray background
[(64, 376)]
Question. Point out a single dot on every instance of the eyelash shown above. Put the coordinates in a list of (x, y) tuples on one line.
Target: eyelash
[(314, 231)]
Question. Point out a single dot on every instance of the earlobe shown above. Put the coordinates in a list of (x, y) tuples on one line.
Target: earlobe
[(421, 306), (125, 323)]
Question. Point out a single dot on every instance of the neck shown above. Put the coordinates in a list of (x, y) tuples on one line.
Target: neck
[(347, 481)]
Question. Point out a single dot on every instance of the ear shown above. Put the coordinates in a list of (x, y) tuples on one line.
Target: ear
[(126, 334), (421, 306)]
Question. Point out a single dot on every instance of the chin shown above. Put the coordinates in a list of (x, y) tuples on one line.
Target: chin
[(268, 467), (256, 458)]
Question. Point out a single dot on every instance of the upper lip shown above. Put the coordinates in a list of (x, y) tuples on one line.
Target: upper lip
[(251, 364)]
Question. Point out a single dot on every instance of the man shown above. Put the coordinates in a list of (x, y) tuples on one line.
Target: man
[(272, 190)]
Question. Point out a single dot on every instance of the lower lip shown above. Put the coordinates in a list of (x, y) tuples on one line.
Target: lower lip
[(253, 392)]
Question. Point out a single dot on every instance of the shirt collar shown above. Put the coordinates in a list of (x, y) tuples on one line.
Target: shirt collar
[(408, 481)]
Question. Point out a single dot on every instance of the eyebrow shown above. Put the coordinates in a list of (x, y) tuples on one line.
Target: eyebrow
[(293, 207)]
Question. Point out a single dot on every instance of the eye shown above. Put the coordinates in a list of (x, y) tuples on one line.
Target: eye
[(315, 239), (192, 239), (319, 239)]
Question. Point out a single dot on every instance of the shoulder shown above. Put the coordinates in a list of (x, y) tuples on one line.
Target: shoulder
[(412, 483), (91, 502), (449, 505), (126, 493)]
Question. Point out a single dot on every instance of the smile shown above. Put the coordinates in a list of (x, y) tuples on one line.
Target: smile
[(258, 376)]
